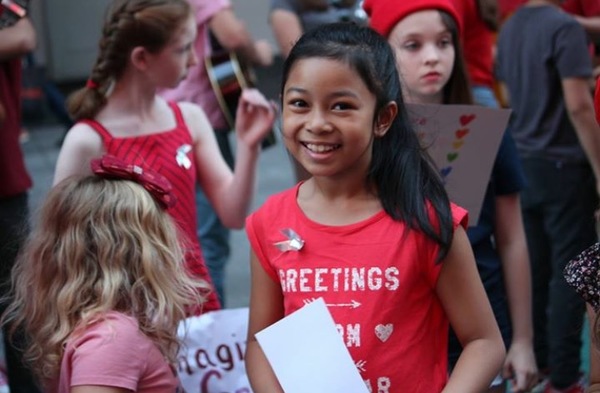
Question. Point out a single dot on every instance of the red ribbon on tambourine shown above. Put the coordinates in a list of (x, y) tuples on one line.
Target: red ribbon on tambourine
[(111, 167)]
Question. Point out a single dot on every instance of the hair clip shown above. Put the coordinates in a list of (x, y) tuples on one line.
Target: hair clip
[(90, 84), (111, 167), (583, 274)]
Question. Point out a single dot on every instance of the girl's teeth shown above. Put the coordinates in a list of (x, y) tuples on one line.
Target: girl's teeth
[(319, 148)]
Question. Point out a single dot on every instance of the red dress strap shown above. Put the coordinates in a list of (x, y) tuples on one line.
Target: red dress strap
[(178, 115), (99, 128)]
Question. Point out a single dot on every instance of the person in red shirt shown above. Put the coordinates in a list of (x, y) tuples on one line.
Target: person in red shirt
[(479, 22), (15, 42), (372, 228), (587, 13)]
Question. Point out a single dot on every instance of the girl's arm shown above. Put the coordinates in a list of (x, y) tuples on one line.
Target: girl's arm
[(230, 193), (468, 309), (17, 40), (80, 146), (266, 308), (287, 28), (511, 244), (232, 34)]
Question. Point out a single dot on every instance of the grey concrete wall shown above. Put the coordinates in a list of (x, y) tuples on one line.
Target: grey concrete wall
[(255, 14), (69, 31)]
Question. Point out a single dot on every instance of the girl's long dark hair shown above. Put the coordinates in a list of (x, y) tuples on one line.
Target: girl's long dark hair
[(404, 175), (458, 87)]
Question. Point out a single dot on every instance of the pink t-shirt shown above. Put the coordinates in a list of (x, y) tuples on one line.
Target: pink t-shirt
[(378, 282), (114, 352), (196, 87)]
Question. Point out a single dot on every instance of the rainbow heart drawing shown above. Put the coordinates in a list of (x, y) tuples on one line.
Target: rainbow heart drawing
[(458, 143)]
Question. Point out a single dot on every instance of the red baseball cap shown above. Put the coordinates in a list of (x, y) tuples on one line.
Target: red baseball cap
[(385, 14)]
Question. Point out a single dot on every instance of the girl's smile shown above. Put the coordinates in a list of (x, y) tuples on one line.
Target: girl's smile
[(319, 148), (328, 115)]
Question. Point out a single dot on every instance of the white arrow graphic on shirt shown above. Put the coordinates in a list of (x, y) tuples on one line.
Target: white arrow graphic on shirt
[(352, 304), (360, 365)]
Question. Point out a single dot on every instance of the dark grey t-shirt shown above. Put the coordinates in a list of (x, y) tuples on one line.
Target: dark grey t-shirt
[(538, 47), (311, 18)]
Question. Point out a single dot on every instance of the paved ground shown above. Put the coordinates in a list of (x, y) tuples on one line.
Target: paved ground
[(275, 174)]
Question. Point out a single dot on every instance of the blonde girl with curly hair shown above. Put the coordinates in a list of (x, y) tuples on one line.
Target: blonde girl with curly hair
[(101, 284)]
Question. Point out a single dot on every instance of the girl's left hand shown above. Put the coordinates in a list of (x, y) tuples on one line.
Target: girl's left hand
[(254, 118), (520, 367)]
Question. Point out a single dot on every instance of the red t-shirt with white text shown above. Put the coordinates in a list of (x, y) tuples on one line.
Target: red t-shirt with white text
[(378, 282)]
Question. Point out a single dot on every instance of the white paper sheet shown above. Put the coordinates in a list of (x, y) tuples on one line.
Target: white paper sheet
[(308, 355)]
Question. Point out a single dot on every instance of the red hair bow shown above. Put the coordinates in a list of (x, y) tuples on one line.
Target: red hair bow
[(111, 167)]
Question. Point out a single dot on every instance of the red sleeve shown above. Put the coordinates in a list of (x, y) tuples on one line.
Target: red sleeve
[(586, 8), (432, 269), (255, 232), (459, 216), (572, 7)]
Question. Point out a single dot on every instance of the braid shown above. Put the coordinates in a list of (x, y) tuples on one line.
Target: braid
[(129, 24), (107, 64)]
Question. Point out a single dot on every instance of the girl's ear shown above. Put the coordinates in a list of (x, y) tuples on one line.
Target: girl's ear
[(384, 120), (139, 58)]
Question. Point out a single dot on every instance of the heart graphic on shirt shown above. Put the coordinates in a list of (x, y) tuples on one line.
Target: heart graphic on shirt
[(452, 156), (461, 133), (466, 119), (383, 332)]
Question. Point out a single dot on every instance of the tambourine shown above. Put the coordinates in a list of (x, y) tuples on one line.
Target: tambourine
[(11, 11)]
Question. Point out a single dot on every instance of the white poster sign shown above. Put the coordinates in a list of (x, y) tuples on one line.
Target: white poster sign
[(463, 140), (212, 358)]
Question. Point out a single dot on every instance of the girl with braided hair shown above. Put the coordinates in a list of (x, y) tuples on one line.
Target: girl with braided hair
[(147, 45)]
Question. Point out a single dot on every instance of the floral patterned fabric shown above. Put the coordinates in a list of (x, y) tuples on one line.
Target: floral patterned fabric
[(583, 274)]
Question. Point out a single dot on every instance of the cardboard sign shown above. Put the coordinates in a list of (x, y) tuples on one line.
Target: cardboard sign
[(463, 141)]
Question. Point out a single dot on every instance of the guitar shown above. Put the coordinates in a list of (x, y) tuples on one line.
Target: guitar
[(228, 76)]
